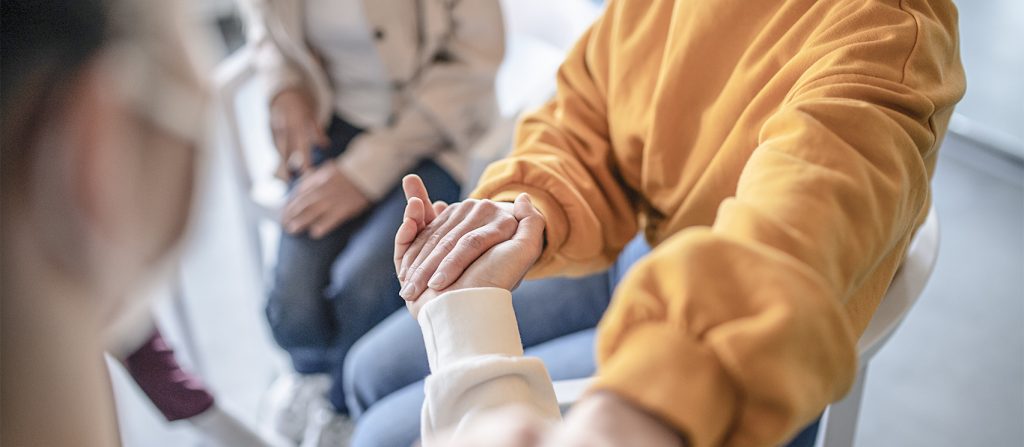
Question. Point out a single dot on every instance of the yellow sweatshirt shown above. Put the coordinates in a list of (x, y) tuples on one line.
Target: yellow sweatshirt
[(777, 154)]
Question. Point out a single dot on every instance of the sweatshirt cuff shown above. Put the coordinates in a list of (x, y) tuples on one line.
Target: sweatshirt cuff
[(674, 377), (469, 323)]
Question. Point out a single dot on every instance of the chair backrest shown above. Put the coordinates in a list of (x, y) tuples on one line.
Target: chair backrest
[(904, 290), (901, 295)]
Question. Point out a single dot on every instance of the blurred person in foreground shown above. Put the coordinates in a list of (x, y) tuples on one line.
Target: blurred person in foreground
[(777, 156), (102, 106)]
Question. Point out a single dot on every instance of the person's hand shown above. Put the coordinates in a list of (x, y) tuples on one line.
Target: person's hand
[(457, 237), (322, 200), (295, 129), (507, 426), (608, 420), (502, 265)]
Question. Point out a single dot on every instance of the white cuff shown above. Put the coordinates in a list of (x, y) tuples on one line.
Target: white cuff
[(469, 323)]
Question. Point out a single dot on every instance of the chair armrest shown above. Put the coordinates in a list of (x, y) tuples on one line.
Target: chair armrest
[(904, 289)]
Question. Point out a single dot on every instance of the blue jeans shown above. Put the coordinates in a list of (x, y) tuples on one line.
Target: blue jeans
[(385, 369), (328, 292)]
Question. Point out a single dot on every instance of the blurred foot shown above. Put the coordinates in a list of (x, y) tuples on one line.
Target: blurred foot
[(327, 428), (289, 401), (221, 428)]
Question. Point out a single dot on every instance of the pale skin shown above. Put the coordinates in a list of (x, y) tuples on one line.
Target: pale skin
[(105, 199), (601, 418), (324, 198)]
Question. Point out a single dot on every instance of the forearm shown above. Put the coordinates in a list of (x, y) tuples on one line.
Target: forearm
[(476, 361)]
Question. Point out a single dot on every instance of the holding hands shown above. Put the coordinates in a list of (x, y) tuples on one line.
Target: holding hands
[(476, 243)]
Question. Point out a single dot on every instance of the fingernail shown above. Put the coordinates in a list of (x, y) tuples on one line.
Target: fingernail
[(407, 291), (437, 280), (401, 273)]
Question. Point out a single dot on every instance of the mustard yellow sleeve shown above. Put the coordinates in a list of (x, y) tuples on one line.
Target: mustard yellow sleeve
[(562, 159), (740, 333)]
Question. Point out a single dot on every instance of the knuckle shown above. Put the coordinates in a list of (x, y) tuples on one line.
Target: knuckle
[(451, 261), (489, 205), (415, 274), (447, 244), (474, 241), (507, 224)]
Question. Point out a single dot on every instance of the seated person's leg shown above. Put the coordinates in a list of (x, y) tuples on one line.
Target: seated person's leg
[(388, 358), (567, 357), (363, 289), (395, 419), (176, 393), (391, 356), (300, 319)]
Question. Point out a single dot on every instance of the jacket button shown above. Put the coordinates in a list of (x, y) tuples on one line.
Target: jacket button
[(378, 34)]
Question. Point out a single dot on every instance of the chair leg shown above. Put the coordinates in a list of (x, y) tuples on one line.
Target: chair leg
[(841, 417)]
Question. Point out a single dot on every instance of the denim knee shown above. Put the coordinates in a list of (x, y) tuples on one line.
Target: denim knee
[(298, 323), (388, 358), (394, 421)]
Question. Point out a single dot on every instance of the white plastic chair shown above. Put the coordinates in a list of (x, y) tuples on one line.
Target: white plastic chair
[(839, 423), (538, 33)]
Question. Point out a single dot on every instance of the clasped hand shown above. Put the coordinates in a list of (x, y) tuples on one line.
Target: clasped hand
[(475, 243)]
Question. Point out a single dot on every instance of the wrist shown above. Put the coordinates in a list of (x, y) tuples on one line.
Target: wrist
[(468, 323), (610, 406)]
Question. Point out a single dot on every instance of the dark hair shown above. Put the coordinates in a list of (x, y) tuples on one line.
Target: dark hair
[(44, 44)]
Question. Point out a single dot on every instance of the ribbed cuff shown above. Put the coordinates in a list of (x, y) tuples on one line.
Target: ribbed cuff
[(666, 372), (469, 323)]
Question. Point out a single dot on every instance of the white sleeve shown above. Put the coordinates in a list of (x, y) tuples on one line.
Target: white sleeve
[(476, 361)]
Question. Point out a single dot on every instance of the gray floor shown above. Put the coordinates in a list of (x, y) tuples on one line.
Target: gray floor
[(953, 374)]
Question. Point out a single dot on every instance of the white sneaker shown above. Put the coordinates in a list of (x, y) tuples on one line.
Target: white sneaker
[(327, 428), (288, 402), (222, 429)]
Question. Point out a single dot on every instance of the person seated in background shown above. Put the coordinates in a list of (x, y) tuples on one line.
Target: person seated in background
[(101, 108), (362, 93), (359, 97), (777, 155)]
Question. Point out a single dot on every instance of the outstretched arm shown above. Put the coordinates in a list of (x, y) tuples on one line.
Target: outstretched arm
[(563, 159), (471, 336)]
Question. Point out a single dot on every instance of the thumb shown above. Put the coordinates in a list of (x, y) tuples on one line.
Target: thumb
[(531, 221), (413, 186)]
